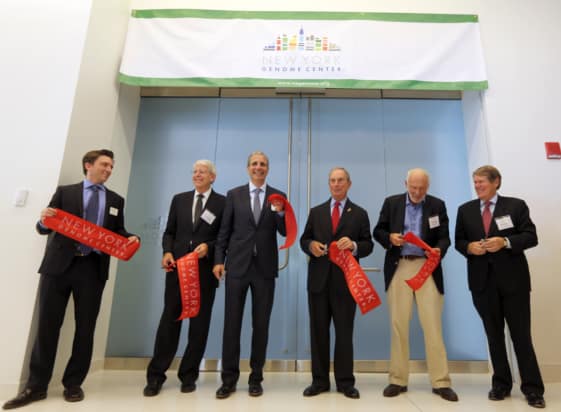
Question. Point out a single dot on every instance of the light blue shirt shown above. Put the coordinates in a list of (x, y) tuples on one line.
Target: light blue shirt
[(413, 219)]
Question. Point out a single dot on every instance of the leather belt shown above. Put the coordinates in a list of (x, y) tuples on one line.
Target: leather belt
[(411, 257)]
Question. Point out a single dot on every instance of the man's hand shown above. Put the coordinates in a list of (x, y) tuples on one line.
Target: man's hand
[(477, 248), (168, 262), (48, 212), (201, 250), (345, 243), (318, 249), (396, 239), (278, 205), (494, 244), (218, 271)]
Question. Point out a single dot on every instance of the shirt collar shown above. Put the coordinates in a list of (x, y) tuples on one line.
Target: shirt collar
[(493, 200), (408, 201), (252, 187), (88, 184), (341, 202), (205, 194)]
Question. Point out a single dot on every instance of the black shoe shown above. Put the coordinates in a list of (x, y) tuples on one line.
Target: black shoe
[(255, 389), (188, 387), (393, 390), (498, 394), (535, 400), (446, 394), (224, 391), (152, 388), (73, 394), (25, 397), (350, 392), (314, 390)]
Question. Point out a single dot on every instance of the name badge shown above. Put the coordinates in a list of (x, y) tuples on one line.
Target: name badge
[(434, 221), (504, 222), (113, 211), (208, 216)]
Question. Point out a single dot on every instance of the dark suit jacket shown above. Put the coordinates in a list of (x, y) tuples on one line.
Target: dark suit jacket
[(354, 223), (60, 249), (510, 264), (239, 235), (392, 219), (181, 237)]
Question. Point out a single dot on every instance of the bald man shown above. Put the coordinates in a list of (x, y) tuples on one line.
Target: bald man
[(424, 215)]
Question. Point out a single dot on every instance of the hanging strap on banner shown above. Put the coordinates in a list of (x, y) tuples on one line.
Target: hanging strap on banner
[(289, 219), (91, 235), (433, 259), (359, 285), (189, 285)]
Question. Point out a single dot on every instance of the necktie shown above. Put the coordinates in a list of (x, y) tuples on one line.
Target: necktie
[(256, 205), (335, 216), (198, 208), (90, 214), (487, 216)]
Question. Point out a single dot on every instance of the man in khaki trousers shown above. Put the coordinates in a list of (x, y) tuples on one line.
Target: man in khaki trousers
[(425, 216)]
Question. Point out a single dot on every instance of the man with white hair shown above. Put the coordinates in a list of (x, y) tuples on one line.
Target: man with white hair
[(192, 226), (425, 216)]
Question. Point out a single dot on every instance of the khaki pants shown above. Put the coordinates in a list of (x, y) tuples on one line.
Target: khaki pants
[(429, 306)]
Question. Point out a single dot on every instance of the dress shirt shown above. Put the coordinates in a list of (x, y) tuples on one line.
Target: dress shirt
[(413, 219)]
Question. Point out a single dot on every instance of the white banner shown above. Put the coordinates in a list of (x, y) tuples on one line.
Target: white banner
[(303, 49)]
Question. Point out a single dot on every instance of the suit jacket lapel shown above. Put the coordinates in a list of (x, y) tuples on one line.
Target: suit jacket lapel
[(189, 210), (400, 211), (425, 219), (80, 199), (345, 214)]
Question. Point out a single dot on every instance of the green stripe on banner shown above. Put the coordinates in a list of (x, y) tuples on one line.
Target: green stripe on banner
[(316, 83), (303, 15)]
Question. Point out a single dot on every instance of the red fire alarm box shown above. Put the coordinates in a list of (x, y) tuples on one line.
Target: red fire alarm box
[(552, 150)]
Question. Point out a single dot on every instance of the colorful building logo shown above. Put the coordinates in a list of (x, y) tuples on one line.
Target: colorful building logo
[(300, 42)]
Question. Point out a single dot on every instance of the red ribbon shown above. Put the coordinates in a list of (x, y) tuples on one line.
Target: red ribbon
[(289, 219), (426, 270), (358, 283), (91, 235), (189, 285)]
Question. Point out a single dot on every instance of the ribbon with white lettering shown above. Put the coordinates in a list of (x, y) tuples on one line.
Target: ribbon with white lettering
[(359, 285), (289, 219), (91, 234), (189, 285), (426, 270)]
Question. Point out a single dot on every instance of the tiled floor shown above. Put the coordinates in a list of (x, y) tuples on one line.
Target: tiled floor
[(121, 391)]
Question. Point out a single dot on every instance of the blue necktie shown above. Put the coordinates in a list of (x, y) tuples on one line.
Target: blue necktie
[(90, 214)]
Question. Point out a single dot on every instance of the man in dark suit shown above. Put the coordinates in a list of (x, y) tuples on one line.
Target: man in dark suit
[(492, 232), (337, 220), (193, 222), (70, 268), (247, 248), (425, 216)]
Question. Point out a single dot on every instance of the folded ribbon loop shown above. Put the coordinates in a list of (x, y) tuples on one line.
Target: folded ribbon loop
[(289, 219)]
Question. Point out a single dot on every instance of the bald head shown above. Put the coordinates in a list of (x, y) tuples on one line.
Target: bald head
[(417, 184)]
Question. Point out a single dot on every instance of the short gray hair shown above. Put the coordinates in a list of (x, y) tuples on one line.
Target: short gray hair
[(257, 152), (207, 163)]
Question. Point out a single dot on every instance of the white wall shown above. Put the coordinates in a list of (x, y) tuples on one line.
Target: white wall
[(60, 98), (55, 106)]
